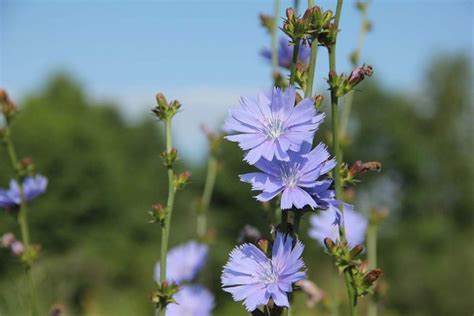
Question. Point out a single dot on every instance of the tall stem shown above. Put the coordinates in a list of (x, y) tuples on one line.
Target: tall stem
[(372, 261), (348, 278), (296, 48), (206, 196), (165, 229), (22, 218), (276, 14), (348, 100), (312, 61)]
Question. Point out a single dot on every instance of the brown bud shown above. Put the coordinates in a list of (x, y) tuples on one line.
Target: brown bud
[(318, 101), (290, 13), (161, 100), (329, 244), (357, 250), (373, 276), (359, 167)]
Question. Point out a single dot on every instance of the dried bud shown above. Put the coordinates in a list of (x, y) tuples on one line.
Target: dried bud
[(263, 245), (372, 276), (357, 250), (181, 179), (296, 28), (169, 157), (360, 167), (298, 98), (249, 234), (267, 22), (158, 213), (7, 107)]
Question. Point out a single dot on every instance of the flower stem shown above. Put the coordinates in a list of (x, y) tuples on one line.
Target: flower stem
[(211, 175), (276, 14), (165, 229), (312, 62), (348, 100), (337, 152), (22, 218), (372, 260), (296, 49)]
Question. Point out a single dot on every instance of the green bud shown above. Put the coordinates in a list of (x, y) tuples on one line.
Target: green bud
[(158, 214), (164, 295), (169, 157), (164, 110), (181, 180)]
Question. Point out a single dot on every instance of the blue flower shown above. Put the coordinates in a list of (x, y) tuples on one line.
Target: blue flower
[(296, 179), (252, 277), (326, 225), (285, 53), (183, 262), (32, 188), (191, 300), (271, 125)]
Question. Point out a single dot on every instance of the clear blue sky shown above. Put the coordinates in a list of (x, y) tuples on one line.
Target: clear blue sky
[(204, 52)]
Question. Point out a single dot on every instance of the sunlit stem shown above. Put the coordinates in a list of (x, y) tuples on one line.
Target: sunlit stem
[(22, 218), (372, 261), (296, 48), (212, 166), (348, 100), (276, 14), (165, 229), (348, 277), (312, 62)]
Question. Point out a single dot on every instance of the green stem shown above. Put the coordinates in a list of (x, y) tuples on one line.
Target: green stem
[(337, 152), (296, 48), (22, 218), (348, 100), (372, 261), (312, 62), (335, 295), (211, 175), (276, 14), (165, 229)]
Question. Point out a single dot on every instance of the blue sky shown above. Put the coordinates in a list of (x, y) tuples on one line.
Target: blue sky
[(204, 53)]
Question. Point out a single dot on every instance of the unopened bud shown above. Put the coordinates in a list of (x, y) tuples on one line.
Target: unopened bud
[(359, 73), (158, 213), (360, 167), (290, 13), (169, 157), (357, 250), (329, 244), (161, 100), (372, 276), (263, 245), (318, 101), (181, 179)]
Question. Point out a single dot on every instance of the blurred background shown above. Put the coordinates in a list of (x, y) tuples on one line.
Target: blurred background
[(85, 73)]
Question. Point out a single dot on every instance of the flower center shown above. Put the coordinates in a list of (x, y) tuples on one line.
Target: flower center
[(268, 276), (290, 175), (274, 128)]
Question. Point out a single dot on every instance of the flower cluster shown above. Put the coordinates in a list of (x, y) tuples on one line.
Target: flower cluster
[(183, 264), (254, 278), (277, 135), (32, 188)]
